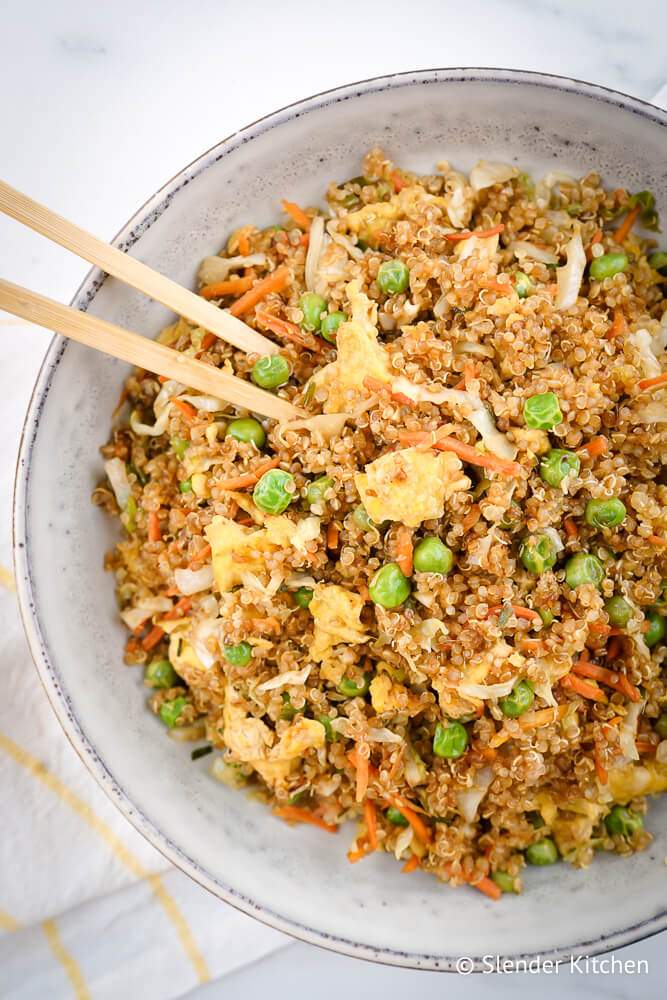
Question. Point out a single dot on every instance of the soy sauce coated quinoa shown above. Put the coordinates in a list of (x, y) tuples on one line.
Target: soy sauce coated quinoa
[(435, 604)]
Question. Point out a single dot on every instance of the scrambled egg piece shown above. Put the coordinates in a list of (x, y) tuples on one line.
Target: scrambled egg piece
[(302, 735), (237, 550), (359, 353), (183, 657), (410, 485), (336, 613), (532, 439), (371, 221), (631, 780), (389, 696), (248, 738)]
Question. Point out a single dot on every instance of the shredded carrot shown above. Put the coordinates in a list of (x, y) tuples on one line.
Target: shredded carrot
[(207, 341), (599, 627), (657, 540), (354, 856), (619, 325), (526, 613), (464, 451), (597, 236), (297, 214), (417, 824), (645, 746), (377, 385), (186, 409), (623, 231), (398, 182), (180, 608), (472, 517), (289, 331), (293, 814), (488, 887), (363, 775), (480, 233), (232, 286), (488, 753), (404, 550), (600, 769), (501, 287), (333, 534), (595, 447), (658, 381), (131, 646), (152, 638), (371, 818), (248, 478), (274, 282), (614, 648), (611, 678), (411, 865), (304, 239), (571, 529), (154, 531), (200, 556), (583, 688), (244, 244)]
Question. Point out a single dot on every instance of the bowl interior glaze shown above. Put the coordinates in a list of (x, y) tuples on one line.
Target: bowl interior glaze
[(299, 879)]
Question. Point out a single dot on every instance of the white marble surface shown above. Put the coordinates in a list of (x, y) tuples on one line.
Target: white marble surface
[(102, 103)]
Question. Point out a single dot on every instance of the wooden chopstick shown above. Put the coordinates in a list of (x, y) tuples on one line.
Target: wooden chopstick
[(184, 302), (141, 351)]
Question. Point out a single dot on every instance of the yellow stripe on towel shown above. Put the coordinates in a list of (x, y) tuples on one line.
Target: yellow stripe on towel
[(39, 770), (69, 964), (7, 922)]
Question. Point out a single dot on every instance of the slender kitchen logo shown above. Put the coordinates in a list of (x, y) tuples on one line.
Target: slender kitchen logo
[(595, 965)]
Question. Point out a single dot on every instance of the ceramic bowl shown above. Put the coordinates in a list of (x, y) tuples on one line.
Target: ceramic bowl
[(298, 879)]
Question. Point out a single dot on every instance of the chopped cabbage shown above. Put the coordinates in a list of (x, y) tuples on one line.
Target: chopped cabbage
[(288, 677), (214, 269), (570, 276), (192, 581), (116, 473), (485, 174)]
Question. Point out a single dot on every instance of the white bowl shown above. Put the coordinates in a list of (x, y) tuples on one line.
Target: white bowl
[(298, 879)]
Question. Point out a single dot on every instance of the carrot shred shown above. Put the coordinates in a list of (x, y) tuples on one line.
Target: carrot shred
[(304, 239), (186, 409), (623, 231), (371, 818), (207, 341), (488, 887), (398, 182), (180, 608), (294, 814), (248, 478), (288, 331), (333, 534), (645, 746), (595, 447), (600, 769), (411, 865), (657, 540), (464, 451), (274, 282), (200, 556), (571, 529), (618, 327), (244, 244), (152, 639), (297, 214), (526, 613), (583, 688), (232, 286), (413, 819), (363, 776), (154, 530), (611, 678), (404, 550), (653, 383), (358, 855), (599, 627), (614, 648), (472, 517), (480, 233)]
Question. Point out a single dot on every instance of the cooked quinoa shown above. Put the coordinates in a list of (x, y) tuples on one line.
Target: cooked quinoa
[(434, 605)]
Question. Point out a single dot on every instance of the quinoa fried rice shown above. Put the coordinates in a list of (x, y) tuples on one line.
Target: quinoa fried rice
[(434, 604)]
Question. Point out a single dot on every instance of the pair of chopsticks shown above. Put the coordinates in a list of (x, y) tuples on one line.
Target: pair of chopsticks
[(127, 346)]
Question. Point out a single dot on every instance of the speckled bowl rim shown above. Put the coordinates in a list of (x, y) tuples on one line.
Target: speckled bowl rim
[(48, 673)]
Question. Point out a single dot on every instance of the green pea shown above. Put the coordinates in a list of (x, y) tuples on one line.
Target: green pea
[(433, 556), (608, 265), (574, 209), (547, 616), (179, 446), (389, 587), (656, 629), (519, 700), (622, 822), (396, 817), (185, 486), (538, 553), (160, 674), (317, 488), (353, 690), (393, 277), (605, 513), (450, 740), (330, 325), (544, 852), (658, 261), (270, 371), (247, 429), (239, 655), (271, 494), (303, 596), (312, 306), (288, 711), (661, 726), (170, 711), (619, 611), (542, 411), (557, 464), (582, 568), (522, 284), (361, 518), (329, 731), (505, 882)]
